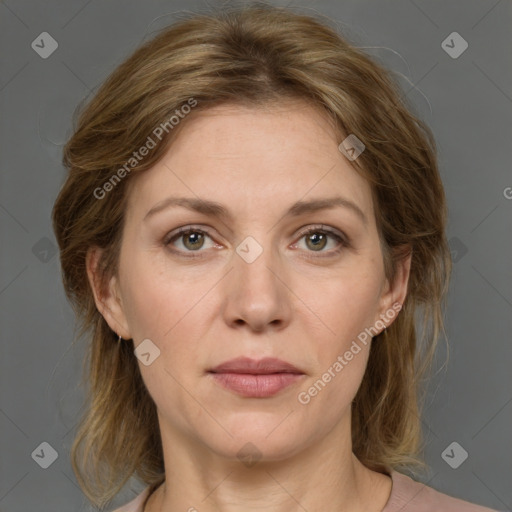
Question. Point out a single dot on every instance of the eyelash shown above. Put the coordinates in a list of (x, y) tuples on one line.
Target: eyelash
[(343, 241)]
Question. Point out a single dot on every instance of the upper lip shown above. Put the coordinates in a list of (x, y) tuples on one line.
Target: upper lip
[(263, 366)]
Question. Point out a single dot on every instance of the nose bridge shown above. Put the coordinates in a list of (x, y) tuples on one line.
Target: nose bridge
[(256, 263), (257, 294)]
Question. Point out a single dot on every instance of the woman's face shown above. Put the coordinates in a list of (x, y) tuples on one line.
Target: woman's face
[(248, 281)]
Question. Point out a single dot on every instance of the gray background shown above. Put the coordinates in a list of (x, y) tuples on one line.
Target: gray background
[(467, 101)]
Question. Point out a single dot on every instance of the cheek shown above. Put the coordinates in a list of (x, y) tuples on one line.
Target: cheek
[(167, 312), (171, 312), (148, 307), (346, 305), (156, 300), (341, 359)]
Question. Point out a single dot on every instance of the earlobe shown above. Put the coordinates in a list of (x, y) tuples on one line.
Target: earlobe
[(106, 294)]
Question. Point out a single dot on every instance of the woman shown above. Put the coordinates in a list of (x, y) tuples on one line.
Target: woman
[(251, 220)]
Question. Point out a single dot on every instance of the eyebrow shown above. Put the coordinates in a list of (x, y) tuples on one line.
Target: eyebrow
[(212, 208)]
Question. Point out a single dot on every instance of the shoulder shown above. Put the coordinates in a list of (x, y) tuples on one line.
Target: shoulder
[(137, 504), (408, 495)]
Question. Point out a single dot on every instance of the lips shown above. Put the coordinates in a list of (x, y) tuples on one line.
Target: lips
[(264, 366), (256, 379)]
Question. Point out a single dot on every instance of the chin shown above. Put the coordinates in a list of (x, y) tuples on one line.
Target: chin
[(257, 436), (250, 451)]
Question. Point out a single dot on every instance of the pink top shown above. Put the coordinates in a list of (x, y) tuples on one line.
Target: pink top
[(407, 495)]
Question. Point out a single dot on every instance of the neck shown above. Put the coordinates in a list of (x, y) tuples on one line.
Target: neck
[(324, 476)]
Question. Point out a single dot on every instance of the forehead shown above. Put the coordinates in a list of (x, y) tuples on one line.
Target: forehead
[(252, 158)]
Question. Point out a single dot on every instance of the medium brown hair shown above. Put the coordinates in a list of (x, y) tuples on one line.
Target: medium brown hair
[(252, 55)]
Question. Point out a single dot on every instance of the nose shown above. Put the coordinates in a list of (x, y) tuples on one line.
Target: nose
[(257, 295)]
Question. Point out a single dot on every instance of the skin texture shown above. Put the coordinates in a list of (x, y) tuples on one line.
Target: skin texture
[(299, 302)]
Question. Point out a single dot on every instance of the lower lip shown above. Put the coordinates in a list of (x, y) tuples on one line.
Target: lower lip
[(256, 386)]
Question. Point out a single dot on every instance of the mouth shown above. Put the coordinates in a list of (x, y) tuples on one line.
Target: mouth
[(256, 379)]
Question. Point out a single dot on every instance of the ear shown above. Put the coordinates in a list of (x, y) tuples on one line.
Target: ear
[(395, 291), (106, 295)]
